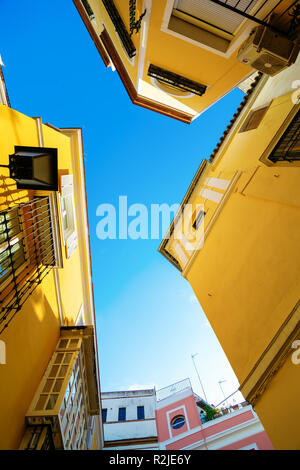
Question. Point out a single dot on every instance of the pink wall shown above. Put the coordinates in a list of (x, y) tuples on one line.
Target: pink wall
[(261, 439), (166, 414), (187, 407)]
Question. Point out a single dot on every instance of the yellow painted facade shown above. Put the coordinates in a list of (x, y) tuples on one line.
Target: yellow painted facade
[(244, 266), (63, 295)]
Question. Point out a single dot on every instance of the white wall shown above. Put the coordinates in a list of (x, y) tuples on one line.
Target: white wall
[(132, 428), (129, 430)]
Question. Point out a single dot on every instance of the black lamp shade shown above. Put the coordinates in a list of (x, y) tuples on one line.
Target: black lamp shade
[(34, 168)]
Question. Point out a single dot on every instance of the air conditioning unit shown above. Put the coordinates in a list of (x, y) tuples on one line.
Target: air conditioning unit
[(268, 51)]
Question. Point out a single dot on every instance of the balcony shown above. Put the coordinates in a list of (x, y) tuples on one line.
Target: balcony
[(59, 416), (172, 389), (120, 27), (281, 15), (27, 253)]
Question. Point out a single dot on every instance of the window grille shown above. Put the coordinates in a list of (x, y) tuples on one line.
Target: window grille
[(27, 254), (176, 80), (288, 147), (88, 9), (120, 27)]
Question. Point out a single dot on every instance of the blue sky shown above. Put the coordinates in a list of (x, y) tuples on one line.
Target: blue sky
[(148, 320)]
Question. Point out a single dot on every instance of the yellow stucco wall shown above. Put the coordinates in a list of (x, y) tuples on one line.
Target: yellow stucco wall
[(246, 277), (32, 335), (279, 410)]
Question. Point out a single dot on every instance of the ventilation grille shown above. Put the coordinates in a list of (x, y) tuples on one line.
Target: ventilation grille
[(269, 64)]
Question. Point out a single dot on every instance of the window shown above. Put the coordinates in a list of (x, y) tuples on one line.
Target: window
[(122, 414), (120, 27), (198, 220), (80, 318), (88, 9), (12, 254), (178, 422), (63, 393), (216, 15), (220, 26), (26, 253), (68, 214), (253, 120), (288, 147), (174, 80), (104, 414), (140, 412)]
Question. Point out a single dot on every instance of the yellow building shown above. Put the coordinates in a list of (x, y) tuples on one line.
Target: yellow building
[(178, 57), (49, 374), (235, 239)]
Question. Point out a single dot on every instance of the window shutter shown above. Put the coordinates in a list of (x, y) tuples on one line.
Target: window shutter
[(66, 185), (71, 244), (69, 233)]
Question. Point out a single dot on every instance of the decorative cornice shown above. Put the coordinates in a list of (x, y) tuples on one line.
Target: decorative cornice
[(273, 358)]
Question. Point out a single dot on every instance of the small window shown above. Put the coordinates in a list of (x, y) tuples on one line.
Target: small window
[(140, 412), (288, 147), (88, 9), (68, 214), (80, 318), (104, 414), (178, 422), (122, 414), (198, 220), (253, 120)]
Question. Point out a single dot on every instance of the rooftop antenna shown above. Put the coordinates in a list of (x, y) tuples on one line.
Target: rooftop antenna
[(192, 356), (220, 383)]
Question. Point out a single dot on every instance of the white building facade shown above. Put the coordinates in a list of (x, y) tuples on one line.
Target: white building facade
[(129, 420)]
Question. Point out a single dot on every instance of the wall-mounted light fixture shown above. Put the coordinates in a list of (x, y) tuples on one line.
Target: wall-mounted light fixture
[(34, 168)]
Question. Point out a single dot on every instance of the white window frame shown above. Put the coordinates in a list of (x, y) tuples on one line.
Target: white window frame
[(80, 318), (67, 209)]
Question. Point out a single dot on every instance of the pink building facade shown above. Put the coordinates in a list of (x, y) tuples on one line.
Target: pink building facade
[(180, 422)]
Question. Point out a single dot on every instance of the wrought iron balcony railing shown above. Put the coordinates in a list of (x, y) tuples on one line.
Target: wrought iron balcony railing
[(27, 253), (120, 27), (176, 81), (288, 147), (281, 15)]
